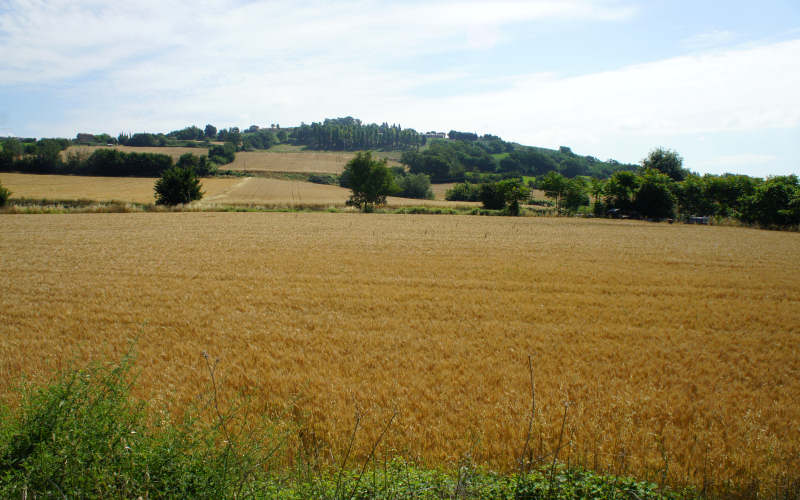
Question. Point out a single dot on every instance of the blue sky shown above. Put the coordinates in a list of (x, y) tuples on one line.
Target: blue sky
[(717, 81)]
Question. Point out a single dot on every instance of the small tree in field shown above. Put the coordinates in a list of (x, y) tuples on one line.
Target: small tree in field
[(178, 185), (370, 180)]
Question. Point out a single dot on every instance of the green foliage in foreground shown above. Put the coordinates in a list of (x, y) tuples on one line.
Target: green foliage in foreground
[(83, 436)]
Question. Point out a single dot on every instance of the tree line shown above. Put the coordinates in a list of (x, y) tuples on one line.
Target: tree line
[(46, 158), (489, 158), (661, 189), (349, 134)]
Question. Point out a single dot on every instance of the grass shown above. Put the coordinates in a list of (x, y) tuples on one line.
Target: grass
[(679, 363)]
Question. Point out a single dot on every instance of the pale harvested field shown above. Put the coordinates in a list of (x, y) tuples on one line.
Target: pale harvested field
[(673, 343), (175, 153), (285, 193), (75, 187), (316, 162)]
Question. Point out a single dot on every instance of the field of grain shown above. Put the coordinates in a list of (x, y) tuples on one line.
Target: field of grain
[(675, 347), (74, 187)]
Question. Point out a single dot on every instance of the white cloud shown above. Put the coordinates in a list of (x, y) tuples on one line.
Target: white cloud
[(49, 41), (150, 65), (735, 90), (708, 40)]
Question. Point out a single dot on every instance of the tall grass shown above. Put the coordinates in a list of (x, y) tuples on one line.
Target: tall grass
[(83, 435)]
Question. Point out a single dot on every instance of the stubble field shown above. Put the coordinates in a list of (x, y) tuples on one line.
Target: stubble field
[(74, 187), (316, 162), (675, 346), (219, 191)]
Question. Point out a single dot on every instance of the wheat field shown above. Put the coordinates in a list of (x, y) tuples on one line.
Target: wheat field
[(675, 346)]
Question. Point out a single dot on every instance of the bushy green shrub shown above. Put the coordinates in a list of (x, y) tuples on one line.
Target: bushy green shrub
[(178, 185), (414, 186), (464, 191), (83, 436), (222, 155), (329, 179)]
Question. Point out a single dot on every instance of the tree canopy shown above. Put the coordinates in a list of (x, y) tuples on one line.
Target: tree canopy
[(178, 185), (667, 162), (370, 180)]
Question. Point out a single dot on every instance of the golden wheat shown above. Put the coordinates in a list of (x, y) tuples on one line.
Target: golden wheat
[(677, 346)]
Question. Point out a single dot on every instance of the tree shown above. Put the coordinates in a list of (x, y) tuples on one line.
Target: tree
[(619, 190), (414, 186), (554, 186), (775, 203), (11, 149), (513, 192), (654, 198), (693, 197), (210, 131), (504, 195), (5, 194), (667, 162), (178, 185), (575, 194), (370, 180), (199, 164), (491, 196)]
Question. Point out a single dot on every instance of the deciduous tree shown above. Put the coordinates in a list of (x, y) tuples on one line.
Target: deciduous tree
[(370, 180)]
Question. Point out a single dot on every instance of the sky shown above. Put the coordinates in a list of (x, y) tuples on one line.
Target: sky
[(716, 81)]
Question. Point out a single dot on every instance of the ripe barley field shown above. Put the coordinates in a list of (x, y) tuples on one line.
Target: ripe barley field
[(675, 347), (75, 187)]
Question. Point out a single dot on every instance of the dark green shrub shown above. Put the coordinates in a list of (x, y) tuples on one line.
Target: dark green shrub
[(329, 179), (222, 155), (5, 194), (178, 185), (492, 196), (414, 186)]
